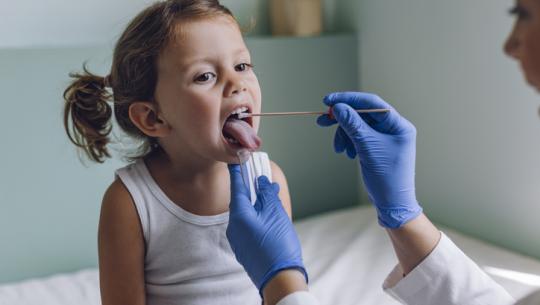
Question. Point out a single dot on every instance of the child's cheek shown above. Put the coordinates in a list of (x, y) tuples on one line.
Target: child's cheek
[(257, 109), (256, 124), (256, 92)]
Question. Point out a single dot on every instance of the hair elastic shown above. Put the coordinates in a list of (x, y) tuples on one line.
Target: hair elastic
[(107, 81)]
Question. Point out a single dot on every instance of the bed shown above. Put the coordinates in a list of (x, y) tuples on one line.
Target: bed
[(347, 255)]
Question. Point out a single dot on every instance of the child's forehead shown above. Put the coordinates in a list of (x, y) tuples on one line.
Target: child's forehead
[(211, 34), (206, 37)]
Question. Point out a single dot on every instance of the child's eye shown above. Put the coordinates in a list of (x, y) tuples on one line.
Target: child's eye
[(205, 77), (243, 67)]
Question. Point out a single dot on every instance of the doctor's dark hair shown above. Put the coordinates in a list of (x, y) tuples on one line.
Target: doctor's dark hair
[(133, 77)]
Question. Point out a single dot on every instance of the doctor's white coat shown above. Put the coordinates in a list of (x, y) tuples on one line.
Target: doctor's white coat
[(446, 277)]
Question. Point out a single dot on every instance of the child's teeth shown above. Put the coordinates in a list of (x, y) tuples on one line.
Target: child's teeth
[(239, 110)]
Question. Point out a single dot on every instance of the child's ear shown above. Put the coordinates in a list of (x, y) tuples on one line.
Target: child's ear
[(145, 116)]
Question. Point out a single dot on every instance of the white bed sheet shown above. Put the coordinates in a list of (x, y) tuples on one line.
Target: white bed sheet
[(346, 253), (348, 256), (78, 288)]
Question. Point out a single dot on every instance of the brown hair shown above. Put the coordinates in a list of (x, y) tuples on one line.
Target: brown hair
[(133, 77)]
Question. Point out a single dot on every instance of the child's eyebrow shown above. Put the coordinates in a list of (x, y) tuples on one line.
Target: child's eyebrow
[(240, 51), (186, 64)]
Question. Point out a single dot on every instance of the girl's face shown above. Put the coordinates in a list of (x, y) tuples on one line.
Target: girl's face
[(203, 76), (523, 44)]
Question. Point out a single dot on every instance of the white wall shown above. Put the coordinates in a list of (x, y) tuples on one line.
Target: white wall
[(49, 23), (52, 23), (441, 64), (60, 23)]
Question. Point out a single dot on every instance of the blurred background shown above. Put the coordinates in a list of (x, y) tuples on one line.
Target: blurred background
[(440, 63)]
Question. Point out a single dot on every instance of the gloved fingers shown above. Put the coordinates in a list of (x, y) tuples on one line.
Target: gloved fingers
[(240, 196), (350, 121), (341, 140), (351, 151), (259, 204), (362, 100), (263, 185), (325, 120), (263, 182), (266, 187), (275, 188), (357, 100), (238, 186), (267, 194)]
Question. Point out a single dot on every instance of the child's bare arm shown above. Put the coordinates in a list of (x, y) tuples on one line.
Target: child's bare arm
[(121, 249), (279, 177)]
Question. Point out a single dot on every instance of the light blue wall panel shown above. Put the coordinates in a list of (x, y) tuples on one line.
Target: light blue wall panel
[(49, 201), (442, 65), (295, 74)]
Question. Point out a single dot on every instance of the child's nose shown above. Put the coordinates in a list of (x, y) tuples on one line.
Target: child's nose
[(236, 85)]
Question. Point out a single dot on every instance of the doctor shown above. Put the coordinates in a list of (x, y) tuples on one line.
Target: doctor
[(431, 270)]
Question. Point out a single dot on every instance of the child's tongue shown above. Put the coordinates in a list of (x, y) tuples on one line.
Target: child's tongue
[(242, 132)]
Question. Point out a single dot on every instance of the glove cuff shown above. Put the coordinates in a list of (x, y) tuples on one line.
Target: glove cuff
[(396, 218), (280, 267)]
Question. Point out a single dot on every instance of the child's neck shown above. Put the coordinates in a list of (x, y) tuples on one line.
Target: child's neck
[(200, 188)]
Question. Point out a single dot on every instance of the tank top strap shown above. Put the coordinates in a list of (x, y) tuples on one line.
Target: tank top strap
[(132, 178)]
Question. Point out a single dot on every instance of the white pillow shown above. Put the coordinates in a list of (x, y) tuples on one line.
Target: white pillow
[(80, 288)]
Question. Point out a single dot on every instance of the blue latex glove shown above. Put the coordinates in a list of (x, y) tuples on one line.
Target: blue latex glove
[(386, 146), (262, 236)]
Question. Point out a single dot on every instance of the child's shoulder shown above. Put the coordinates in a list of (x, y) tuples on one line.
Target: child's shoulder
[(277, 173), (117, 191), (117, 205), (120, 238), (279, 177)]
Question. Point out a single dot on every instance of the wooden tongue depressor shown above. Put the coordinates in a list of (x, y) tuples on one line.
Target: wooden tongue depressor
[(330, 113)]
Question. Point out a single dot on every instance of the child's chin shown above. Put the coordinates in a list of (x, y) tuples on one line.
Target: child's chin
[(230, 160), (230, 155)]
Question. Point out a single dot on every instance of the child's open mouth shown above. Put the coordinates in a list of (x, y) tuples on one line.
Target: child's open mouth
[(239, 132)]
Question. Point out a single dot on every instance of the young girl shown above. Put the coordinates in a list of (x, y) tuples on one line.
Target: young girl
[(180, 71)]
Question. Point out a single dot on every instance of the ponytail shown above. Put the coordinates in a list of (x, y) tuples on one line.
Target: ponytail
[(86, 105)]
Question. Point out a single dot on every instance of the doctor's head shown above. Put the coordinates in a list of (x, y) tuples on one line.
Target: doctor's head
[(523, 44)]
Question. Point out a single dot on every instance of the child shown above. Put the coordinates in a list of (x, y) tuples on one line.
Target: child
[(180, 70)]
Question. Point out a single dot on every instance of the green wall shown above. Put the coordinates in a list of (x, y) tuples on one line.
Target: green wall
[(49, 200), (441, 64)]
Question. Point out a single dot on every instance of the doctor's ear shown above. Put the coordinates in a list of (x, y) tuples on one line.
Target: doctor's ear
[(145, 116)]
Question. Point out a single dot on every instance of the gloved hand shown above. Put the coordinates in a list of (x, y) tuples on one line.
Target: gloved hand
[(262, 236), (386, 147)]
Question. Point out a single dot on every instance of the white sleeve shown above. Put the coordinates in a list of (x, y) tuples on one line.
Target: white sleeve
[(299, 298), (446, 277)]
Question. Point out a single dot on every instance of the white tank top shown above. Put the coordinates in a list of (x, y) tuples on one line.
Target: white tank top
[(188, 258)]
